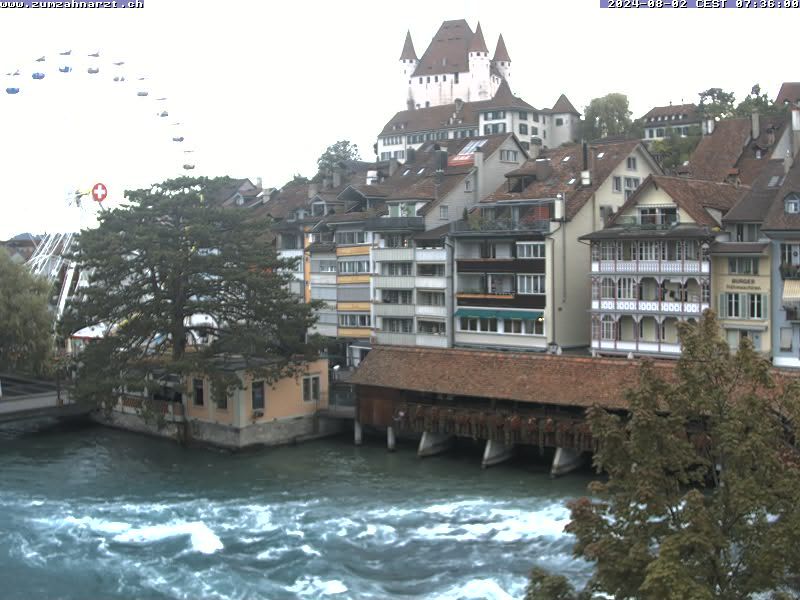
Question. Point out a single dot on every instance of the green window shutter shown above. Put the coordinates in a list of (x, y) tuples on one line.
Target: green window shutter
[(764, 305), (722, 306)]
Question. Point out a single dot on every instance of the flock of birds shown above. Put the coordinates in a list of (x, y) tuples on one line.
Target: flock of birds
[(65, 61)]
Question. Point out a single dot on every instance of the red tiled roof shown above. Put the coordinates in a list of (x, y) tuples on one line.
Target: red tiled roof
[(564, 106), (447, 52), (540, 378), (718, 152), (557, 178), (501, 52), (789, 92), (777, 218), (694, 196), (408, 49), (477, 43), (664, 113)]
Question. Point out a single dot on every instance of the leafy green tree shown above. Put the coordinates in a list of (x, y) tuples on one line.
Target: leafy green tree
[(608, 116), (170, 268), (716, 103), (673, 150), (298, 179), (756, 101), (25, 320), (703, 480), (336, 153)]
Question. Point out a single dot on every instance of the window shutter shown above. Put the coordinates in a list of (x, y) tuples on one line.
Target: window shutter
[(764, 304), (723, 307)]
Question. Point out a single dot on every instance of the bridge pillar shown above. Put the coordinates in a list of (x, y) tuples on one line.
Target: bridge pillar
[(434, 443), (390, 438), (357, 433), (565, 461), (496, 452)]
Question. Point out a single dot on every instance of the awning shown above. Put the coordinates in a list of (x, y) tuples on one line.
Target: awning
[(488, 313), (791, 292)]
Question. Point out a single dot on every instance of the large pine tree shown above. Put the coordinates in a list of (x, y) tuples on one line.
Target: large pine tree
[(172, 267)]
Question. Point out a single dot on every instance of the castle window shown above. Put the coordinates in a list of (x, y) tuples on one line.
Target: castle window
[(455, 75), (559, 122), (420, 80), (444, 77), (523, 115), (428, 79), (523, 128)]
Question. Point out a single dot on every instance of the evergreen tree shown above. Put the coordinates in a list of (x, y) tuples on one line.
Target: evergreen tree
[(171, 267), (25, 321), (703, 480)]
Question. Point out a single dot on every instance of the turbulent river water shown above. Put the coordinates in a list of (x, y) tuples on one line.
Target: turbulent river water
[(91, 512)]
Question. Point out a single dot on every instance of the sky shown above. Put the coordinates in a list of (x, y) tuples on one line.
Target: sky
[(262, 88)]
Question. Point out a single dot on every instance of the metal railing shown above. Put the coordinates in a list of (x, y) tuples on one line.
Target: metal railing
[(481, 224)]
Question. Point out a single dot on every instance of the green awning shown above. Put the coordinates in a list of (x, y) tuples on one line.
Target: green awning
[(489, 313)]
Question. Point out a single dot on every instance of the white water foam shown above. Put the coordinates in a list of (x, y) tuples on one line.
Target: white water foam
[(309, 550), (272, 553), (201, 537), (314, 587), (98, 525), (475, 589)]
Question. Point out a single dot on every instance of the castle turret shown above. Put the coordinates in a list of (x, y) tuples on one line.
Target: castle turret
[(479, 67), (408, 64), (502, 61)]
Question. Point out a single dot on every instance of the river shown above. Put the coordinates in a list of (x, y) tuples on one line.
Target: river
[(90, 512)]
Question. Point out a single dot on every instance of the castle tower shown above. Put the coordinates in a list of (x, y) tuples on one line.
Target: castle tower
[(479, 67), (408, 64), (502, 61)]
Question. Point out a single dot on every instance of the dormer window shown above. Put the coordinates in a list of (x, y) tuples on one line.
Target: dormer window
[(792, 204), (566, 158), (601, 155)]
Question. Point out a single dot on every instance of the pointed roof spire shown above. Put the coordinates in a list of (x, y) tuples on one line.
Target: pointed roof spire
[(564, 106), (500, 52), (408, 49), (477, 43)]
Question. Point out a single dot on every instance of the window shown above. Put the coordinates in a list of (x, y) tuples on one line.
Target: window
[(631, 183), (257, 395), (786, 338), (626, 288), (311, 388), (524, 326), (455, 77), (747, 232), (743, 266), (657, 215), (327, 266), (430, 298), (436, 79), (386, 155), (617, 184), (525, 145), (494, 115), (397, 269), (199, 392), (397, 240), (431, 327), (443, 212), (534, 131), (508, 155), (743, 306), (630, 163), (755, 308), (530, 250), (650, 133), (535, 117), (523, 128), (607, 288), (523, 115), (608, 250), (398, 325), (351, 237), (478, 324), (608, 328), (353, 266), (430, 270), (354, 320), (660, 132), (397, 296), (222, 401), (428, 79), (494, 128), (559, 122), (467, 185), (792, 204), (530, 284)]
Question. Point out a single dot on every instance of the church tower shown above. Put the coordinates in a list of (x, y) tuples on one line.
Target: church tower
[(408, 64), (502, 61), (479, 67)]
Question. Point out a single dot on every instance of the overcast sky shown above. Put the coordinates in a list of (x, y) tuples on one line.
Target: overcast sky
[(261, 88)]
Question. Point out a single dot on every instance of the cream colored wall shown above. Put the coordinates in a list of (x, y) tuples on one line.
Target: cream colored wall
[(605, 194), (656, 197)]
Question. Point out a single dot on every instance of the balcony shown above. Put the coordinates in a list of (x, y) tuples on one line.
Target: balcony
[(393, 254), (652, 223), (385, 309), (429, 283), (430, 310), (500, 265), (650, 266), (789, 271), (431, 340), (641, 346), (430, 255), (395, 339), (651, 306), (477, 226), (395, 224), (394, 282), (484, 296)]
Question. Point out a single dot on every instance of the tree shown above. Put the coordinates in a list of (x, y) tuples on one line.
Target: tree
[(703, 480), (716, 103), (336, 153), (757, 102), (673, 150), (607, 117), (25, 320), (298, 179), (170, 268)]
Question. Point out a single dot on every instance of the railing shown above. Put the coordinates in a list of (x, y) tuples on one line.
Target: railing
[(391, 223), (478, 225), (636, 223), (693, 308), (645, 346), (650, 266), (789, 271)]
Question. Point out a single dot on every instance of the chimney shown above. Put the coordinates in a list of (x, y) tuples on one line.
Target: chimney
[(313, 188), (755, 129), (411, 156), (337, 177), (709, 126), (441, 161), (393, 165), (536, 148), (787, 162), (479, 174), (326, 182), (586, 173), (259, 183)]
